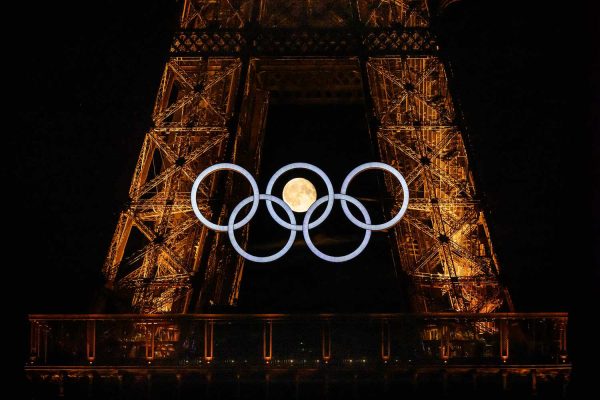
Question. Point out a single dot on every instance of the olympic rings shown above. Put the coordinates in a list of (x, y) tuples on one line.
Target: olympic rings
[(319, 253), (242, 252), (220, 167), (306, 225), (385, 167)]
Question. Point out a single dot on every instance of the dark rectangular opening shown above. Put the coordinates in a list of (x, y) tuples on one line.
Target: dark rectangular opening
[(334, 138)]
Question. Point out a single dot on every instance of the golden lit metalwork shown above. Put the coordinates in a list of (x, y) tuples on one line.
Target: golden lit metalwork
[(228, 63)]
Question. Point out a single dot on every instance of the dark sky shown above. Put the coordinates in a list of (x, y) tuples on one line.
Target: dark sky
[(85, 80), (522, 73), (84, 77)]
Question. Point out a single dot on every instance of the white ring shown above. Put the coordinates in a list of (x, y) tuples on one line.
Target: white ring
[(231, 230), (385, 167), (230, 167), (316, 170), (319, 253), (306, 224)]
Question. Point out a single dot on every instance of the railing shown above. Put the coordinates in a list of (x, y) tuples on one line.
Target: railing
[(299, 341)]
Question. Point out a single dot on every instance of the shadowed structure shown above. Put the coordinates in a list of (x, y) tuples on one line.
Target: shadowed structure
[(262, 84)]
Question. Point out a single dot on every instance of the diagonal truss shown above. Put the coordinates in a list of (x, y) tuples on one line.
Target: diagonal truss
[(442, 243), (203, 14), (212, 107), (157, 242)]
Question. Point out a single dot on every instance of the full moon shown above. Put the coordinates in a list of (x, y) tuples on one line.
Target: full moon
[(299, 194)]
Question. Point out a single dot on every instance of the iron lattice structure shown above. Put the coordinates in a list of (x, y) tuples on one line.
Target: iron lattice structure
[(229, 61)]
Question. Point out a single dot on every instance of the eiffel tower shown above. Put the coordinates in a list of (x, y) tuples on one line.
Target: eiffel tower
[(229, 61), (169, 277)]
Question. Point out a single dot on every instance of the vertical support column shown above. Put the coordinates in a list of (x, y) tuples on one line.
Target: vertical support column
[(238, 387), (222, 291), (267, 341), (565, 385), (267, 386), (445, 343), (90, 385), (208, 340), (90, 345), (34, 341), (45, 331), (178, 378), (385, 340), (208, 388), (326, 341), (374, 124), (119, 240), (120, 386), (150, 330), (505, 380), (61, 384), (504, 340), (149, 385), (562, 340), (372, 120)]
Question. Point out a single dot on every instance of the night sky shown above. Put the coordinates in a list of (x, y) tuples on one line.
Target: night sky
[(84, 88)]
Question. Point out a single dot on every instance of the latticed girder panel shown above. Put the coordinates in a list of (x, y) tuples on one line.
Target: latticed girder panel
[(222, 14), (442, 242), (314, 14), (410, 91), (303, 27), (158, 240)]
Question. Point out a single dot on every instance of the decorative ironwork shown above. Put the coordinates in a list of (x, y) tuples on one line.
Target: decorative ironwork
[(519, 345), (307, 42), (399, 41), (119, 339), (209, 43), (229, 61), (212, 102)]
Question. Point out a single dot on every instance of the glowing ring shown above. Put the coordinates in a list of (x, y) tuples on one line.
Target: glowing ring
[(306, 224), (319, 253), (229, 167), (231, 230), (385, 167), (316, 170)]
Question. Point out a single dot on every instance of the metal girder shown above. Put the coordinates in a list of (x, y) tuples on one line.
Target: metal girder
[(202, 112), (303, 27), (167, 240), (173, 153), (405, 90), (206, 12), (303, 42), (460, 186), (197, 89), (422, 204), (174, 168), (428, 144)]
